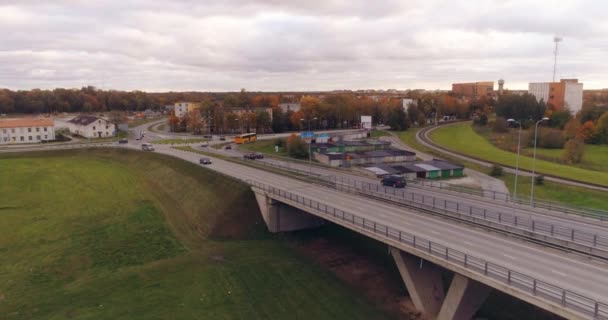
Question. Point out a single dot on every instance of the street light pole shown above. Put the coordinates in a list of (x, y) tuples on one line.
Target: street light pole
[(534, 159), (517, 159)]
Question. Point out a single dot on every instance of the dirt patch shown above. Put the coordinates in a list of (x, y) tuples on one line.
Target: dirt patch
[(361, 272)]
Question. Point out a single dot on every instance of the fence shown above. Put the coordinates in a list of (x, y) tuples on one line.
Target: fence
[(523, 283)]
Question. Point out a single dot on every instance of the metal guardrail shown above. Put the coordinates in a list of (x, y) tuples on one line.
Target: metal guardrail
[(519, 200), (587, 242), (519, 281), (591, 242)]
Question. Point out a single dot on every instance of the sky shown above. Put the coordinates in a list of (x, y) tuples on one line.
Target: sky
[(282, 45)]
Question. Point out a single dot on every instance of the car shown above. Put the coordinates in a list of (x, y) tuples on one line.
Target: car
[(123, 141), (204, 161), (258, 155), (138, 138), (204, 145), (228, 147), (147, 147), (208, 136), (394, 181), (250, 156), (222, 138)]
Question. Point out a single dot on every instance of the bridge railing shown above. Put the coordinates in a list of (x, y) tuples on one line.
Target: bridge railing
[(497, 218), (519, 200), (524, 283)]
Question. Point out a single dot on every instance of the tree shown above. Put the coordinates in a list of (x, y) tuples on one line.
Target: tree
[(520, 107), (173, 122), (571, 129), (574, 150), (397, 119), (278, 120), (500, 125), (297, 148), (263, 120), (587, 132), (195, 123), (601, 128), (560, 118)]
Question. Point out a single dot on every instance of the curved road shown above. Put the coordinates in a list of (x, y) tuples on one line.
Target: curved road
[(423, 137)]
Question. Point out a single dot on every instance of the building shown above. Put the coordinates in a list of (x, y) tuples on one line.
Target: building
[(290, 106), (182, 108), (90, 126), (567, 94), (473, 90), (359, 158), (433, 169), (26, 130), (406, 102)]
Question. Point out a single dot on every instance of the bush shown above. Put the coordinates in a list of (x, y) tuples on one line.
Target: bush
[(279, 143), (574, 150), (298, 149), (549, 138), (500, 125), (539, 180), (496, 171)]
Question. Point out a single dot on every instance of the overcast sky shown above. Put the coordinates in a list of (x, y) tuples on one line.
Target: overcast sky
[(281, 45)]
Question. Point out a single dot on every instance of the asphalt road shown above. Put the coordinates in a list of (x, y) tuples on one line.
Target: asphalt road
[(589, 278)]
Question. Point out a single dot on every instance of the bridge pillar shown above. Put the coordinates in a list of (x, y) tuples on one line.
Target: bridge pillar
[(464, 297), (424, 285), (280, 217), (422, 280)]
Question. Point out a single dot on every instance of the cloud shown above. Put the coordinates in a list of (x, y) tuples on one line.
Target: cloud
[(297, 45)]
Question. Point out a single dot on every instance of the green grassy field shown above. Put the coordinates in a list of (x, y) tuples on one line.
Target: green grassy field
[(179, 141), (265, 146), (595, 157), (139, 121), (379, 133), (462, 138), (117, 234)]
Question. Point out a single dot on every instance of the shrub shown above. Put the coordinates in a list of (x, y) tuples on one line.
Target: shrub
[(500, 125), (496, 171), (279, 143), (539, 180), (574, 150), (549, 138), (298, 149)]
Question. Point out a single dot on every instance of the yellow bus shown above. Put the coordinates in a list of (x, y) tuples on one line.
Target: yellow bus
[(245, 138)]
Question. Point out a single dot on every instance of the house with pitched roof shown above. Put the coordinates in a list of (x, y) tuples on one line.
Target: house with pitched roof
[(90, 126)]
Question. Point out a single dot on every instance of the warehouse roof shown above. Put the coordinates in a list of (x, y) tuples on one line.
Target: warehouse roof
[(426, 167), (444, 165)]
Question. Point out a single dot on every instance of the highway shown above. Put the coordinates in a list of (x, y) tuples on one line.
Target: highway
[(576, 274)]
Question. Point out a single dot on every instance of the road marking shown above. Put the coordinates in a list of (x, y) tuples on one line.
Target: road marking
[(466, 242), (508, 256), (558, 273)]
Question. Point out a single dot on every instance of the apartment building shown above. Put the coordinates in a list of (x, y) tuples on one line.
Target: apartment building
[(565, 94), (26, 130), (182, 108), (473, 90)]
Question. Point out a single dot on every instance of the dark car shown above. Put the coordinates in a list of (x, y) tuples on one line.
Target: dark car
[(258, 155), (123, 141), (394, 181), (250, 156), (208, 136), (204, 161), (228, 147), (222, 138)]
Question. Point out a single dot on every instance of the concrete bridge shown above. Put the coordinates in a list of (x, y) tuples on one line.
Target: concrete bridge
[(419, 259)]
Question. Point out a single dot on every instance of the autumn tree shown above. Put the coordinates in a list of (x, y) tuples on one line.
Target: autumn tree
[(263, 121), (587, 132), (173, 122), (194, 123), (574, 150), (572, 129), (601, 128)]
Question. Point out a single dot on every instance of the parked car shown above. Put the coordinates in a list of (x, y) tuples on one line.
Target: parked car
[(123, 141), (205, 161), (222, 138), (258, 155), (394, 181), (250, 156), (147, 147), (228, 147), (208, 136), (204, 145), (138, 138)]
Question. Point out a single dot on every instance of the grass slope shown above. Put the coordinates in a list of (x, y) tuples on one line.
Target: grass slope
[(117, 234), (595, 157), (462, 138), (266, 147)]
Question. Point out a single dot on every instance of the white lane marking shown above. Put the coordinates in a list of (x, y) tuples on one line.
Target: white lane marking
[(558, 273), (508, 256)]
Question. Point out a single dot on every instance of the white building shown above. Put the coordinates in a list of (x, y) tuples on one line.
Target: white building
[(405, 102), (566, 94), (26, 130), (182, 108), (89, 126), (290, 106)]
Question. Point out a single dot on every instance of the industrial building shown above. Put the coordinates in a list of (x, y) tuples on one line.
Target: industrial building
[(567, 94), (433, 169), (359, 158)]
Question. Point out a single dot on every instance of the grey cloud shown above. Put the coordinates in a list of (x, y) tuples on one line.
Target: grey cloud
[(288, 45)]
